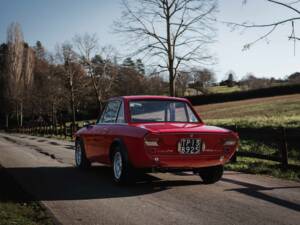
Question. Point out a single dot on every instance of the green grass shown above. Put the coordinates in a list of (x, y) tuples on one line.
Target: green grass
[(223, 89), (285, 105), (22, 213), (261, 112), (258, 122), (16, 207), (265, 167)]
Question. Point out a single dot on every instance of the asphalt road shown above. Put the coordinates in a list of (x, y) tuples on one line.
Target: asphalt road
[(44, 168)]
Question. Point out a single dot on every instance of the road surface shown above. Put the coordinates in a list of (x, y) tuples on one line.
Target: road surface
[(44, 168)]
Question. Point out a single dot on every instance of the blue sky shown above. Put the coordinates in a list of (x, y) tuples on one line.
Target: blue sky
[(55, 21)]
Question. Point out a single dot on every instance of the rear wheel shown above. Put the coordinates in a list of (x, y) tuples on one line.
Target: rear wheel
[(81, 160), (122, 171), (211, 175)]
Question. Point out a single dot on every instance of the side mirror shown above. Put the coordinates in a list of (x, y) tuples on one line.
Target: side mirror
[(87, 124)]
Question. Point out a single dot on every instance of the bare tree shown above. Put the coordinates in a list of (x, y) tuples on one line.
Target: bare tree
[(104, 74), (202, 78), (292, 6), (250, 81), (15, 44), (27, 78), (173, 33), (69, 58), (182, 81), (100, 67)]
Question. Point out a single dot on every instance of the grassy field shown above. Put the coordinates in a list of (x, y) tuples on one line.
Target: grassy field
[(16, 207), (272, 111), (255, 113), (223, 89), (265, 167)]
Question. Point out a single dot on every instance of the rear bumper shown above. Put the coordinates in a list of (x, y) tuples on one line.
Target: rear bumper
[(182, 162)]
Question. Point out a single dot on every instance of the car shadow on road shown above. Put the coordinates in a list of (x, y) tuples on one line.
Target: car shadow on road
[(69, 183), (254, 190)]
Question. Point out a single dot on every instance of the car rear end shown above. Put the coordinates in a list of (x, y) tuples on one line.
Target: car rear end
[(189, 150)]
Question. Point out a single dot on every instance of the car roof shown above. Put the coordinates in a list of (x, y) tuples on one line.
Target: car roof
[(146, 97)]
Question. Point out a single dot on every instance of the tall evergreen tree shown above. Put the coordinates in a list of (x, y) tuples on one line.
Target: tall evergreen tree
[(140, 67), (39, 50), (129, 63)]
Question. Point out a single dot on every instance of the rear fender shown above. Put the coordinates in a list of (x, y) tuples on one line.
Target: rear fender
[(118, 142)]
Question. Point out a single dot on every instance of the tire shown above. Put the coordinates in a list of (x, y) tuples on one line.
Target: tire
[(81, 160), (121, 169), (211, 175)]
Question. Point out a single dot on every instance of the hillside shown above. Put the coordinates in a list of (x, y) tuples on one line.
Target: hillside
[(270, 111), (223, 89)]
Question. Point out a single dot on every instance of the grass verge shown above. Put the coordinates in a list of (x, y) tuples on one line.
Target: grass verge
[(265, 167), (16, 206)]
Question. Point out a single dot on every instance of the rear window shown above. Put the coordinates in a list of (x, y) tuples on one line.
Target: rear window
[(161, 111)]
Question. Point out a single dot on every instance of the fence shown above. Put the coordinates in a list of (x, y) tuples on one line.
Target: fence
[(61, 130), (268, 143)]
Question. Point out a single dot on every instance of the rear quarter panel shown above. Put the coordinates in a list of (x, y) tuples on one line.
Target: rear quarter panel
[(132, 138)]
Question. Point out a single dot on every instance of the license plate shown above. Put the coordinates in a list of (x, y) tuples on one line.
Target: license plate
[(189, 146)]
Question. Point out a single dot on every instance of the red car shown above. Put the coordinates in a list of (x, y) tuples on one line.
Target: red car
[(154, 133)]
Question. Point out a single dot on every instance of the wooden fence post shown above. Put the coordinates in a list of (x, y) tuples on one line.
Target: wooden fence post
[(284, 149), (65, 130), (234, 157)]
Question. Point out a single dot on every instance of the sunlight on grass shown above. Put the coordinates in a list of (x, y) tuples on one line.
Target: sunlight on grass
[(271, 121), (223, 89), (259, 166)]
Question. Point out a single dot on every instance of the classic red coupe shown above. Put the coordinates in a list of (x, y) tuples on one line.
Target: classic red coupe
[(154, 133)]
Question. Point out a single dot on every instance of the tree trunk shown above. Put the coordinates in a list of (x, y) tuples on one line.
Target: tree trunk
[(17, 114), (73, 106), (21, 113), (6, 120), (54, 121), (171, 83), (170, 54), (96, 89)]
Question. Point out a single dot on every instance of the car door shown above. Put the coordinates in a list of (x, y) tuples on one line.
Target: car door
[(102, 135)]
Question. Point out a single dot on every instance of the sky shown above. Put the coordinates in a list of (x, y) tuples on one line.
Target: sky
[(55, 21)]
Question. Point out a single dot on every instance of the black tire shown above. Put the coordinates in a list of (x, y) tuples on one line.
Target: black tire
[(211, 175), (81, 160), (125, 173)]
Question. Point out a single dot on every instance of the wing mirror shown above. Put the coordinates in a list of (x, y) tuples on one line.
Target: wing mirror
[(87, 124)]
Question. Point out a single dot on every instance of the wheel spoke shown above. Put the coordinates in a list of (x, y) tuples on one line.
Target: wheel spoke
[(117, 165), (78, 155)]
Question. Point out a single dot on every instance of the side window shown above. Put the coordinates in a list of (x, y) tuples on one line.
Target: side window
[(111, 111), (121, 118), (100, 117), (192, 117)]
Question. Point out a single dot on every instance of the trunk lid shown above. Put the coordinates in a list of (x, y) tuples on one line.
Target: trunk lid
[(170, 134), (181, 128)]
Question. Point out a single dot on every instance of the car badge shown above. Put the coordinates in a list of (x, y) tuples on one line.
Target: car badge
[(191, 135)]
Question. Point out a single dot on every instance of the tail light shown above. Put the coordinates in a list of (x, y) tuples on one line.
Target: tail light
[(230, 142), (151, 140)]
